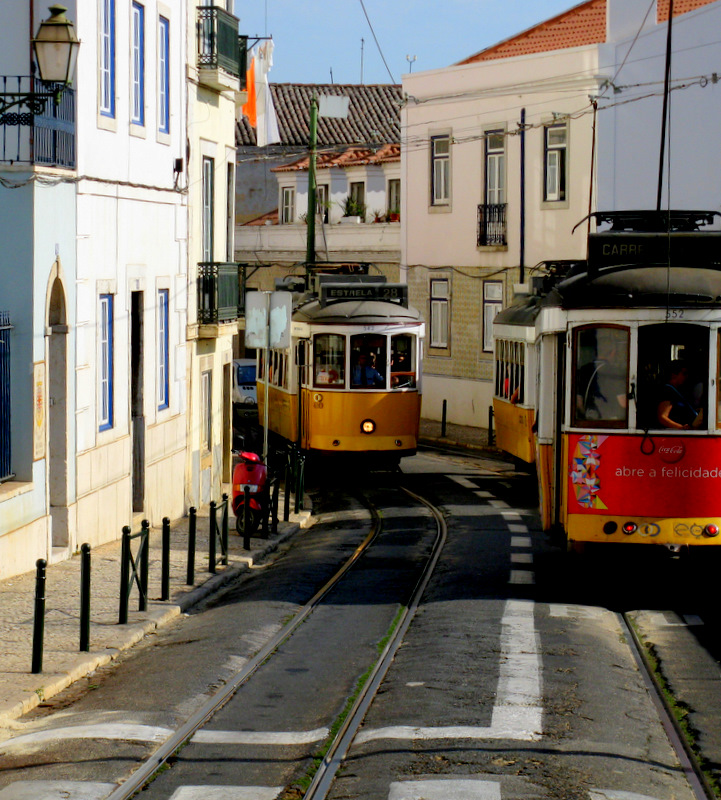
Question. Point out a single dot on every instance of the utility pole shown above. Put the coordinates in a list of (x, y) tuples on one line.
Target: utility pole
[(310, 219)]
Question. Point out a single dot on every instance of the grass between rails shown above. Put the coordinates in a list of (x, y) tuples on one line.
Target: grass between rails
[(300, 787)]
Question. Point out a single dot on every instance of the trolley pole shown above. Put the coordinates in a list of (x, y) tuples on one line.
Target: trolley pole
[(310, 220)]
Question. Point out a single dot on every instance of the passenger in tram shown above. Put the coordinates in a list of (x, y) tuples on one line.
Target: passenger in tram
[(675, 410), (365, 374)]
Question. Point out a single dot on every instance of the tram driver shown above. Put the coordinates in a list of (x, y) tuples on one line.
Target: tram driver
[(365, 374), (675, 409)]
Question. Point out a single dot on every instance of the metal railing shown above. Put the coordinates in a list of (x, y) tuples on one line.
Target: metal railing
[(218, 45), (492, 224), (219, 296), (47, 138), (5, 448)]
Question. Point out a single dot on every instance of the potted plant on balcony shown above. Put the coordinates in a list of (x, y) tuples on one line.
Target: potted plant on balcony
[(353, 211), (394, 215), (378, 215)]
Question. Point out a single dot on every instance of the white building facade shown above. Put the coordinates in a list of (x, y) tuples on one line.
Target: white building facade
[(505, 153), (96, 270)]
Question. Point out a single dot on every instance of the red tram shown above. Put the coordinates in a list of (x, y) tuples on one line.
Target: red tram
[(607, 378)]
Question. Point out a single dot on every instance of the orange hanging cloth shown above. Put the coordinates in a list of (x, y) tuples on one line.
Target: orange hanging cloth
[(249, 109)]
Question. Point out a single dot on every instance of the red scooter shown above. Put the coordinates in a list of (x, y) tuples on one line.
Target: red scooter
[(252, 473)]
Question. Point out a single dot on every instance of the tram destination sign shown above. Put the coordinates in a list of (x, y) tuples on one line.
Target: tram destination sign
[(388, 292), (681, 248)]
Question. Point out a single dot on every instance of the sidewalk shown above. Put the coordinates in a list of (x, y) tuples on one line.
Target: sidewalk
[(63, 663), (21, 690)]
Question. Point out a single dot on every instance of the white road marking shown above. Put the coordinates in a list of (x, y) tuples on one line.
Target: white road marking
[(520, 541), (498, 504), (472, 511), (692, 619), (260, 737), (121, 731), (483, 494), (584, 612), (466, 483), (522, 558), (516, 528), (226, 793), (514, 515), (518, 713), (414, 684), (521, 577), (616, 794), (56, 790), (660, 620), (449, 789)]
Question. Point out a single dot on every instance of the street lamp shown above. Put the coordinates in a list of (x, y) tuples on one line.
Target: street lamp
[(56, 51)]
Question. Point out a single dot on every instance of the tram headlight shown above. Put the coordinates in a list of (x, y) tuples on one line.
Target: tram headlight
[(368, 426), (711, 530), (629, 528)]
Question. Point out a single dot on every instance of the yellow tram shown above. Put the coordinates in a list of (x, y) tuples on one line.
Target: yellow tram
[(350, 381), (606, 379)]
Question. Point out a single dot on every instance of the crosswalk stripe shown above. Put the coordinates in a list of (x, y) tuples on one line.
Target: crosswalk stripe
[(121, 731), (521, 558), (520, 541), (448, 789), (521, 576), (260, 737), (56, 790), (226, 793), (616, 794)]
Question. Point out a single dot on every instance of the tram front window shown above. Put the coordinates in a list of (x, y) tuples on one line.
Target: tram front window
[(368, 361), (601, 376), (672, 376), (328, 359), (403, 368)]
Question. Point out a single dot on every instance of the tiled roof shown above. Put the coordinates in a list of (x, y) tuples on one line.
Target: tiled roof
[(374, 115), (269, 218), (352, 157), (583, 24)]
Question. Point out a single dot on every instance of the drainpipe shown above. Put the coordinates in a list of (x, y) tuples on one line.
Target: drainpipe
[(522, 256)]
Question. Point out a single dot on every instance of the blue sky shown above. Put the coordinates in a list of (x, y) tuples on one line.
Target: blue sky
[(313, 37)]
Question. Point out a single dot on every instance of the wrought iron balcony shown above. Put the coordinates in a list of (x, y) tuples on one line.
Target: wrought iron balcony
[(44, 135), (219, 295), (218, 46), (492, 225)]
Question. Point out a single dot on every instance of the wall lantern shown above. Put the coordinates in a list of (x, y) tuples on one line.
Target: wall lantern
[(56, 51)]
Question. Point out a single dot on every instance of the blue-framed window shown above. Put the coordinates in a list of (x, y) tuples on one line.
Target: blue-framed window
[(164, 75), (137, 116), (106, 362), (107, 58), (163, 348), (207, 219)]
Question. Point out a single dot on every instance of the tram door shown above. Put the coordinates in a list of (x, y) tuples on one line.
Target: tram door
[(550, 394)]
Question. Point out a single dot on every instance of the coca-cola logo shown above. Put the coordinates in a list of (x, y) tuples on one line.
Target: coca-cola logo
[(671, 453)]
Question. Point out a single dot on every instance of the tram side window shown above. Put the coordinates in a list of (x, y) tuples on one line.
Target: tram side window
[(403, 361), (328, 359), (510, 370), (673, 367), (600, 376), (368, 361)]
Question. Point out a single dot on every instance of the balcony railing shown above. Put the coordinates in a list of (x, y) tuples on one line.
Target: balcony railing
[(219, 296), (47, 138), (218, 46), (492, 224)]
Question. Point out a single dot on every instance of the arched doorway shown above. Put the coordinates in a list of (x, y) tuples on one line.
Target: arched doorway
[(57, 457)]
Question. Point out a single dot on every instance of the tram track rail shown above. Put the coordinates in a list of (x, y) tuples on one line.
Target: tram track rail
[(689, 761), (336, 748)]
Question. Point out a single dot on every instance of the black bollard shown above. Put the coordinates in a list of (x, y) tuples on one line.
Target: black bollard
[(211, 537), (224, 530), (124, 575), (443, 419), (192, 523), (39, 621), (286, 495), (144, 565), (165, 573), (85, 598), (246, 517)]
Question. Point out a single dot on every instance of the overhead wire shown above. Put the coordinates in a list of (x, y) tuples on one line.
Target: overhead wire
[(375, 38)]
